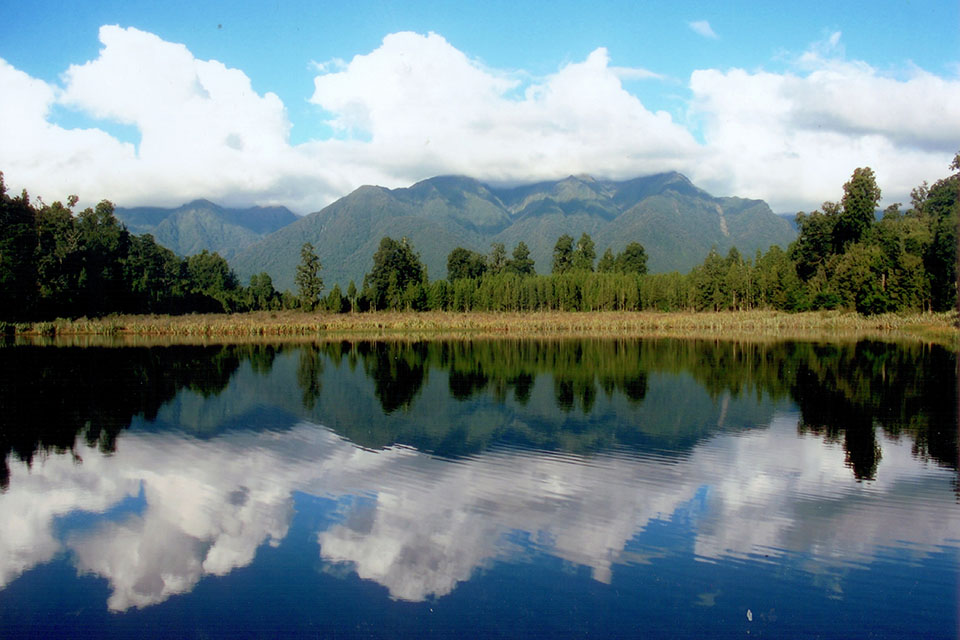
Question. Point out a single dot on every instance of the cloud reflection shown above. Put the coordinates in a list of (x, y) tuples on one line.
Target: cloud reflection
[(422, 524)]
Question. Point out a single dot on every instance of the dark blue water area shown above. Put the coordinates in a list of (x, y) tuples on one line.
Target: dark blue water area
[(755, 499), (665, 591)]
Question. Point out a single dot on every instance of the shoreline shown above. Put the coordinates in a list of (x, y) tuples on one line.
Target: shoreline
[(259, 326)]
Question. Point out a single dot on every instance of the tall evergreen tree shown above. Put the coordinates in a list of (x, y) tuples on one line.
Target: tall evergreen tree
[(308, 280), (584, 254), (498, 257), (562, 255), (633, 259), (861, 195), (520, 262)]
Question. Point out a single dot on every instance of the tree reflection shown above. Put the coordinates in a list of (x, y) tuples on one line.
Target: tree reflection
[(51, 395), (844, 391), (398, 370), (309, 371)]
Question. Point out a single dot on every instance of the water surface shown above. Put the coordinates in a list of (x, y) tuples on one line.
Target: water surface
[(516, 488)]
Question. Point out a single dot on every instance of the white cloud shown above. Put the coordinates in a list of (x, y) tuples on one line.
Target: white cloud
[(794, 138), (44, 158), (428, 109), (203, 131), (416, 106), (703, 28)]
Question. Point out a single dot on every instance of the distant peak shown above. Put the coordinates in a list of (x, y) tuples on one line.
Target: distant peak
[(583, 177), (200, 203)]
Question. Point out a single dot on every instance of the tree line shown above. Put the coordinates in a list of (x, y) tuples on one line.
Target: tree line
[(55, 263), (843, 258)]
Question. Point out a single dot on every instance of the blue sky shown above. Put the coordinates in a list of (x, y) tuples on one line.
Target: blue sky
[(772, 100)]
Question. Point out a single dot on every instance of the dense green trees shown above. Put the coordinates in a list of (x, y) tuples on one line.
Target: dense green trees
[(54, 262), (860, 198), (845, 258), (463, 263), (18, 241), (398, 278), (58, 263), (633, 259)]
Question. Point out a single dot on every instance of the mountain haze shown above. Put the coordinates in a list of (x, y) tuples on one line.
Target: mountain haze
[(674, 220), (201, 224)]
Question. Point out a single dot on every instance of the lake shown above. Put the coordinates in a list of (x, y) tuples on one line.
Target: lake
[(568, 488)]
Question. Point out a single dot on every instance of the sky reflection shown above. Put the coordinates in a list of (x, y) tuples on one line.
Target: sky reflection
[(420, 525)]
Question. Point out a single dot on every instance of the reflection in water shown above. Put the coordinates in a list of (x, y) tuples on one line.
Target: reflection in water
[(50, 396), (426, 525), (844, 393), (822, 457)]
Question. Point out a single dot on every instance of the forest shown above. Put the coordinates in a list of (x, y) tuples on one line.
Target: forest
[(55, 262)]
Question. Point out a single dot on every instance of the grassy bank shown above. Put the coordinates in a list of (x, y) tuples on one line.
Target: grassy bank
[(938, 328)]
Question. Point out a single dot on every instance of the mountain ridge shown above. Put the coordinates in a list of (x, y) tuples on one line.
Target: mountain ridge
[(676, 221), (201, 224)]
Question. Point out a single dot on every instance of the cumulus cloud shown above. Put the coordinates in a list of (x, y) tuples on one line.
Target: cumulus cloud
[(703, 28), (43, 157), (426, 108), (416, 106), (203, 131), (793, 138)]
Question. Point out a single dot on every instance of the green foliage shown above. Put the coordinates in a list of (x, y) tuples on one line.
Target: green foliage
[(607, 263), (54, 263), (584, 254), (860, 198), (210, 277), (498, 257), (18, 270), (463, 263), (520, 262), (940, 208), (815, 243), (57, 264), (395, 268), (335, 302), (261, 294), (905, 262), (308, 280), (633, 259), (562, 255), (352, 295)]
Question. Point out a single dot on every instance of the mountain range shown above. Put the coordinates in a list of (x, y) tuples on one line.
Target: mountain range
[(201, 224), (675, 221)]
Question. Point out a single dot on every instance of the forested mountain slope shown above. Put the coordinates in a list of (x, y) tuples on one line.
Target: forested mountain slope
[(674, 220)]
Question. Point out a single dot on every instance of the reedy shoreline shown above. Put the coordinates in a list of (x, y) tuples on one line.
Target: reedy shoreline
[(937, 328)]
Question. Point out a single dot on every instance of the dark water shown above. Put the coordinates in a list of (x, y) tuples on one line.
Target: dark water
[(495, 489)]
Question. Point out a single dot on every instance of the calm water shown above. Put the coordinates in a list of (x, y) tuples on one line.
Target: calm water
[(505, 489)]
